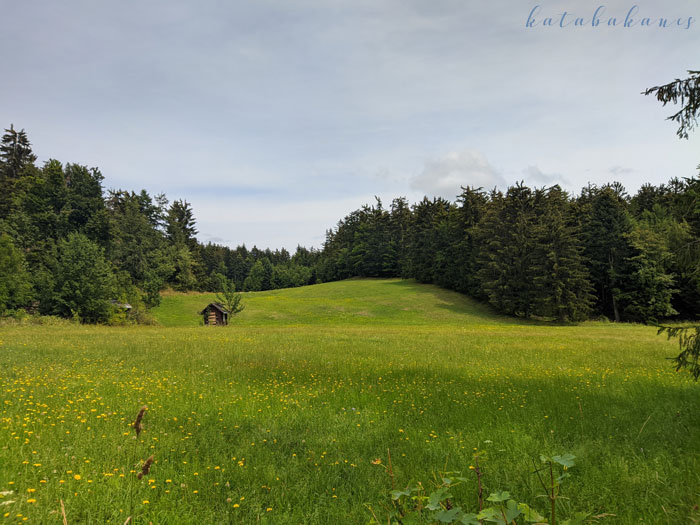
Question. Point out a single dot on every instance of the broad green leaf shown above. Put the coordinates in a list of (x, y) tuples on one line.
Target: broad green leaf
[(448, 516), (530, 515), (487, 513), (491, 514), (512, 511), (436, 497), (469, 519), (566, 461), (497, 497), (396, 494)]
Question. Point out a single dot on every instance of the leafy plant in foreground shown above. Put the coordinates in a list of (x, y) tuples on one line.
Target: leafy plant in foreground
[(413, 504), (552, 486)]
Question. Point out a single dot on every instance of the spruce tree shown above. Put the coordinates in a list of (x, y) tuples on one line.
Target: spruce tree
[(607, 225), (15, 157), (15, 153), (472, 207), (396, 263), (506, 255), (562, 286), (180, 224), (425, 217)]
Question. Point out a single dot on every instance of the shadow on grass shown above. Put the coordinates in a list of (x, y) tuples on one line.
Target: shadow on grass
[(644, 419)]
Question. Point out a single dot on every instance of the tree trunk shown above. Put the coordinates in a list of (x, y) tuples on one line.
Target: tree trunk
[(617, 312), (612, 292)]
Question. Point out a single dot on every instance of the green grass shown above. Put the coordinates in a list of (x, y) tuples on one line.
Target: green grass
[(286, 409), (353, 302)]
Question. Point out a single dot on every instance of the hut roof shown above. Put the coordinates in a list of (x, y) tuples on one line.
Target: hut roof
[(218, 306)]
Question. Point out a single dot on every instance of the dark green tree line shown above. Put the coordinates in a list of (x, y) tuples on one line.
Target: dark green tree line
[(139, 243), (528, 252), (535, 252)]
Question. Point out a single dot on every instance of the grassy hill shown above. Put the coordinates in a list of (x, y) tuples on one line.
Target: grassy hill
[(282, 416), (353, 302)]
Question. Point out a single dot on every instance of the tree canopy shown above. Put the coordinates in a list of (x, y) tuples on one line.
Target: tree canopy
[(685, 91)]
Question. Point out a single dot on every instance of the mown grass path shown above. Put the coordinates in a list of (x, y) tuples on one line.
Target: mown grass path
[(278, 417)]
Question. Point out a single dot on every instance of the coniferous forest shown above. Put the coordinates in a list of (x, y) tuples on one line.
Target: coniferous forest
[(72, 248)]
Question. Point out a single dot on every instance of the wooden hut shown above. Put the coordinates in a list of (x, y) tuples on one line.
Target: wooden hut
[(215, 314)]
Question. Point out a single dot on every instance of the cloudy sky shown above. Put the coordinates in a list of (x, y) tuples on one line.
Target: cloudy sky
[(277, 118)]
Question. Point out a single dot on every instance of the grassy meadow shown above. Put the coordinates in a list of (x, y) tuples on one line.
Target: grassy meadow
[(282, 416)]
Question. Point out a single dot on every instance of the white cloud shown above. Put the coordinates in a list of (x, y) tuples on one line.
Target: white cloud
[(444, 176)]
